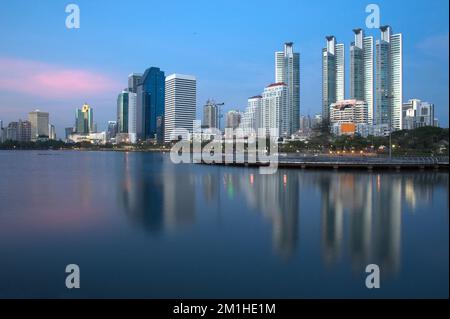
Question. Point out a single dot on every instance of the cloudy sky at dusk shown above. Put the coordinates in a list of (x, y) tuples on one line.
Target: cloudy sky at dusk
[(228, 45)]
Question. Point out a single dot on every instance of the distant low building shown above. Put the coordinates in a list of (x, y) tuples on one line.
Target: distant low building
[(94, 138), (347, 116), (416, 114)]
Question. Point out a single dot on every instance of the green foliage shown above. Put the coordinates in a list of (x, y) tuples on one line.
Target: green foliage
[(420, 141)]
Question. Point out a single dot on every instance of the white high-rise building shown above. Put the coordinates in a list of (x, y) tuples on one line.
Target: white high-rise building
[(180, 105), (340, 72), (361, 71), (333, 74), (389, 78), (132, 117), (39, 124), (252, 117), (287, 70), (276, 112)]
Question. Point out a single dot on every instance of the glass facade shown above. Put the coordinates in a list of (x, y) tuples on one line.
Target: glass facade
[(152, 99)]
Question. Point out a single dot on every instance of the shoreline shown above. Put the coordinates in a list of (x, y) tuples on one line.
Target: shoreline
[(370, 162)]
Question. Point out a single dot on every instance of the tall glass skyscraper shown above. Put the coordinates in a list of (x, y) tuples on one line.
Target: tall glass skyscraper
[(287, 70), (389, 78), (84, 122), (333, 75), (361, 71), (150, 101), (122, 112)]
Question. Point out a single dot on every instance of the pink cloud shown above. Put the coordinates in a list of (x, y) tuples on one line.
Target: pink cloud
[(53, 81)]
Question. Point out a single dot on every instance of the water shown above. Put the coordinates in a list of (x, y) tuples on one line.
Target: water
[(140, 226)]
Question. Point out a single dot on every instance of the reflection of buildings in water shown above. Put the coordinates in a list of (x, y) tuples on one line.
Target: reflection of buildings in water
[(141, 193), (179, 194), (154, 194), (277, 197), (373, 213), (387, 206), (210, 183), (341, 194), (332, 220), (419, 188)]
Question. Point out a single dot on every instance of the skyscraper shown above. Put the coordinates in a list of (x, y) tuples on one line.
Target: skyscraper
[(132, 117), (389, 78), (333, 75), (233, 119), (122, 112), (361, 71), (39, 124), (134, 80), (111, 130), (84, 122), (287, 70), (275, 109), (51, 132), (19, 131), (210, 115), (180, 104), (150, 101), (252, 117)]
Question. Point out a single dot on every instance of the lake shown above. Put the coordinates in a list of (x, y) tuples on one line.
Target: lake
[(139, 226)]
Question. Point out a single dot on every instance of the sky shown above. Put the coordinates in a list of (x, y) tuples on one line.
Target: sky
[(228, 45)]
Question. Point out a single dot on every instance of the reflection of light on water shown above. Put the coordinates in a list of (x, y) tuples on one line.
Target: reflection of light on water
[(230, 188), (251, 179), (410, 195), (378, 182), (284, 179)]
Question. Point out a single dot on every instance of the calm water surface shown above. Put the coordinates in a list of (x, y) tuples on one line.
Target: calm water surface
[(140, 226)]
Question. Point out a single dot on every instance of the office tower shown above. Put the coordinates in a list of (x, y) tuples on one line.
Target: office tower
[(275, 109), (389, 78), (134, 80), (287, 70), (84, 122), (39, 124), (111, 130), (51, 132), (333, 74), (210, 115), (122, 112), (361, 71), (150, 102), (12, 131), (19, 131), (233, 119), (180, 105), (68, 131), (132, 117)]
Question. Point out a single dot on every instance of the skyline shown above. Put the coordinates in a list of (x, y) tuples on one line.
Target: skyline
[(214, 44)]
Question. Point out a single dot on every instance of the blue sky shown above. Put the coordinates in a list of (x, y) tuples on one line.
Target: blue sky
[(229, 45)]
